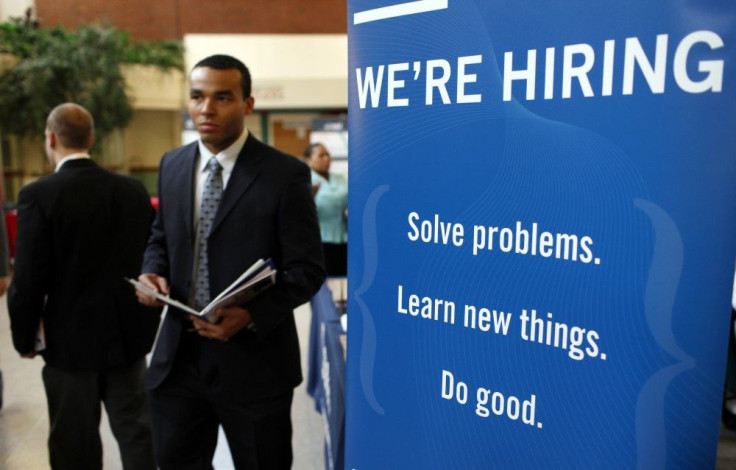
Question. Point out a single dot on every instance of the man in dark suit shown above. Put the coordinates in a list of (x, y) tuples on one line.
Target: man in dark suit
[(240, 371), (80, 231)]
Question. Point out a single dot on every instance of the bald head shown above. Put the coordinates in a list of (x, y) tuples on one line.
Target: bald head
[(72, 126)]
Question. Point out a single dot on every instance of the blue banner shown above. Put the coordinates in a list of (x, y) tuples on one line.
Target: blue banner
[(542, 232)]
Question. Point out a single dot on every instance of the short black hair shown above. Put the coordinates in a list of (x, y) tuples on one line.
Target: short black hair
[(310, 148), (226, 62)]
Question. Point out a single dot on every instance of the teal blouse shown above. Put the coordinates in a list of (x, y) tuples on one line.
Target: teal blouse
[(332, 203)]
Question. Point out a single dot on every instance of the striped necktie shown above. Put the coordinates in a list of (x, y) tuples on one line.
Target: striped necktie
[(211, 196)]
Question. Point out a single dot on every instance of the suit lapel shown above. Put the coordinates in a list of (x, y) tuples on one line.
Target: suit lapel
[(246, 169)]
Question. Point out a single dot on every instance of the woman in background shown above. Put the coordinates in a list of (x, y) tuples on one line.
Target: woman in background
[(331, 198)]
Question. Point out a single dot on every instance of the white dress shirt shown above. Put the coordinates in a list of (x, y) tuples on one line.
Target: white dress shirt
[(226, 158)]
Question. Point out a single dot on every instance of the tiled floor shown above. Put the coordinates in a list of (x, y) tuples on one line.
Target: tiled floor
[(24, 422), (726, 450)]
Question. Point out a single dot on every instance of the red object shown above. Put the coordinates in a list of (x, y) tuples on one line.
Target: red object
[(11, 225), (154, 202)]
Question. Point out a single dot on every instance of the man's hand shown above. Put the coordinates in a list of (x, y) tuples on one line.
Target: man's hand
[(29, 355), (232, 320), (155, 282), (4, 281)]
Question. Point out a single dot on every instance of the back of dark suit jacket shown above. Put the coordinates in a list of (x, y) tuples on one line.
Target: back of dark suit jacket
[(80, 232)]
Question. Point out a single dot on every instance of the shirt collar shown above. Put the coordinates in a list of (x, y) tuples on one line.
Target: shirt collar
[(73, 156), (226, 157)]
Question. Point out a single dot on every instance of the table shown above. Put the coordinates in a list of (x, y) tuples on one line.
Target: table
[(326, 375)]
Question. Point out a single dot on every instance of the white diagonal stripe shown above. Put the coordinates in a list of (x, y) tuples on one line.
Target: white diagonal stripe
[(402, 9)]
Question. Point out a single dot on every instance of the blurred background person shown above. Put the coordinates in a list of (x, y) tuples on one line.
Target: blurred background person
[(330, 192), (81, 230), (331, 198)]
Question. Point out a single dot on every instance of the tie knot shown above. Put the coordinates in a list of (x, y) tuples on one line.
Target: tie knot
[(213, 165)]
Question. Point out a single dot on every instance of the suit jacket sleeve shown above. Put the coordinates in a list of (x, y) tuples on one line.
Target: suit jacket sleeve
[(301, 264), (26, 294), (155, 258)]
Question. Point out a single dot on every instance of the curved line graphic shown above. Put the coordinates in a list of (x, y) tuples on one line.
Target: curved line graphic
[(659, 300), (370, 266)]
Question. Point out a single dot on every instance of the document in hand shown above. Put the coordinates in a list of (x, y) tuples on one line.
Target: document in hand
[(257, 278)]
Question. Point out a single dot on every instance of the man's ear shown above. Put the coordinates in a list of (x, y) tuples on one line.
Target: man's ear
[(249, 104), (91, 141), (52, 140)]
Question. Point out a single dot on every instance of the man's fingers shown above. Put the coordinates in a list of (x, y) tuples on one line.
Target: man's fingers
[(208, 330), (163, 285), (146, 299), (211, 334), (155, 283)]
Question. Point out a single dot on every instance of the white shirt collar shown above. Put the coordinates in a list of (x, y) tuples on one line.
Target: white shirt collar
[(226, 157), (73, 156)]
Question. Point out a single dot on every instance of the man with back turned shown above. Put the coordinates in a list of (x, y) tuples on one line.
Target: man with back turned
[(81, 230), (226, 201)]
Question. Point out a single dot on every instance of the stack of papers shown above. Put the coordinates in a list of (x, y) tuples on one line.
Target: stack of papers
[(257, 278)]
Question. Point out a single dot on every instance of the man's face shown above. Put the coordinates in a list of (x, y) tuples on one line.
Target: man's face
[(217, 106)]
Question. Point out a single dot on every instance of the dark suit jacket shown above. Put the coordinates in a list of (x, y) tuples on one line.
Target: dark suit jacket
[(266, 211), (80, 231)]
